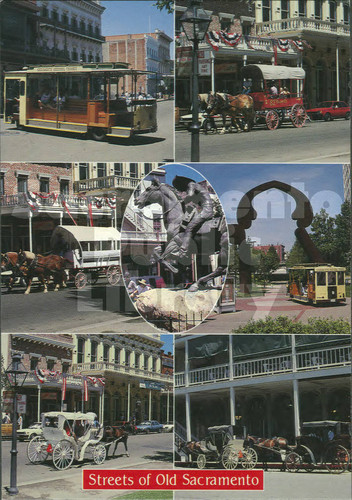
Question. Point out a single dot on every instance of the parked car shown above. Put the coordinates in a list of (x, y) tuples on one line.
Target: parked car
[(149, 426), (168, 427), (328, 110), (29, 433)]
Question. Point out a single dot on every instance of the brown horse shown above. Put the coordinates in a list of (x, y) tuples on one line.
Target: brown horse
[(114, 434), (240, 108), (10, 262), (268, 448), (43, 267)]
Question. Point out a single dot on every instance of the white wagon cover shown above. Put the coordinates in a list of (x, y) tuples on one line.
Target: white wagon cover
[(271, 72)]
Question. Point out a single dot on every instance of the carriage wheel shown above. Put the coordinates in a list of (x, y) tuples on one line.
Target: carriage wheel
[(113, 275), (272, 119), (250, 458), (229, 459), (293, 461), (81, 279), (99, 454), (298, 115), (63, 455), (37, 450), (337, 459), (201, 461)]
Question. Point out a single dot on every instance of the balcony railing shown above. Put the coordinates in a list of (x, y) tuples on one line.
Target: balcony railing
[(52, 201), (308, 360), (72, 381), (109, 182), (69, 27), (302, 23), (34, 49), (101, 366)]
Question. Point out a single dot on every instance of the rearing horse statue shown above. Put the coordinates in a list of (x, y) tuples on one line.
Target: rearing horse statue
[(210, 238)]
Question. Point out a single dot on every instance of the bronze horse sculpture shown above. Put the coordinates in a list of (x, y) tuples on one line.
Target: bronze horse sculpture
[(114, 434), (240, 108), (210, 239)]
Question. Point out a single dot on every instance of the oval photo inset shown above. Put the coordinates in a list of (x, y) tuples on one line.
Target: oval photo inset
[(174, 247)]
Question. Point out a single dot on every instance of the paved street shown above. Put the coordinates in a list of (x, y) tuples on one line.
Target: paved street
[(28, 145), (100, 308), (285, 486), (316, 142), (153, 451), (274, 303)]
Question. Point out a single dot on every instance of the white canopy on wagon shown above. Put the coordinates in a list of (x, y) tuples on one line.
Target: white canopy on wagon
[(271, 72), (70, 415)]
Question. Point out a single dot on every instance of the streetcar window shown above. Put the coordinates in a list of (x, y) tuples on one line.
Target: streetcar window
[(321, 279), (107, 245), (331, 278), (340, 278)]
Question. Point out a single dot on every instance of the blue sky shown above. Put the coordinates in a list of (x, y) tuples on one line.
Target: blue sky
[(126, 17), (168, 340), (323, 185)]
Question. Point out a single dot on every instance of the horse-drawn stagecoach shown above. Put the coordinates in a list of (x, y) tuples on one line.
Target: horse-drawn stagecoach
[(71, 436)]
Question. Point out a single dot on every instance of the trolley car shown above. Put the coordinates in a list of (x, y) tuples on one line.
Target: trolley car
[(90, 252), (287, 103), (317, 283), (80, 98)]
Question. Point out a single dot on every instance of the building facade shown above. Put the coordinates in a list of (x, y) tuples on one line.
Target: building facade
[(280, 250), (143, 51), (312, 34), (72, 28), (269, 384)]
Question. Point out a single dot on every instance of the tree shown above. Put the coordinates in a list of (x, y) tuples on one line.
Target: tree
[(323, 235), (268, 262), (343, 235), (165, 4), (297, 255)]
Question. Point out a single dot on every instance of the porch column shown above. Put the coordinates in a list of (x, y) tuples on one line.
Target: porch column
[(150, 404), (268, 414), (30, 231), (102, 407), (230, 357), (186, 364), (296, 407), (128, 401), (100, 404), (232, 406), (244, 59), (337, 71), (38, 404), (212, 71), (168, 406), (61, 217), (188, 417)]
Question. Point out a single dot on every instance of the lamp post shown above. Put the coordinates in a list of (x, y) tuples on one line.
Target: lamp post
[(16, 374), (195, 23)]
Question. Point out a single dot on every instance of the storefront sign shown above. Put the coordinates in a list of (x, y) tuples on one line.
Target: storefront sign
[(44, 225), (226, 68), (49, 395), (146, 384), (21, 403), (204, 68)]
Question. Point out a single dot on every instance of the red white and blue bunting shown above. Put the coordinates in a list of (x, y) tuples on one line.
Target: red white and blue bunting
[(283, 44), (231, 39), (213, 38), (298, 44), (40, 375)]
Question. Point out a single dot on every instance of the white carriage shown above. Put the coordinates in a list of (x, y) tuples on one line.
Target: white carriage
[(90, 252), (67, 437)]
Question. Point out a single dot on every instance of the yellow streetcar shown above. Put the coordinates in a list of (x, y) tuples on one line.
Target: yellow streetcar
[(317, 283)]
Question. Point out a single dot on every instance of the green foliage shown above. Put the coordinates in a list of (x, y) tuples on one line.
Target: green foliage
[(268, 263), (283, 324), (322, 234), (297, 255), (165, 4), (234, 260), (343, 235)]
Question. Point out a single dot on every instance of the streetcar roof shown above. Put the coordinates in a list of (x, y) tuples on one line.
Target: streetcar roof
[(271, 72), (73, 234), (317, 267), (117, 68)]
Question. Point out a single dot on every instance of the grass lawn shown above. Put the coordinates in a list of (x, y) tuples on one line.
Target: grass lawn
[(146, 495)]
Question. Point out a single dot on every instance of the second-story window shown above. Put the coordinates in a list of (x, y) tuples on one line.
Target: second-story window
[(44, 185), (225, 23), (82, 26), (34, 362), (90, 28), (106, 352), (45, 12), (137, 357), (318, 9), (134, 170), (302, 8), (154, 364), (22, 183), (50, 364), (65, 367), (2, 183), (55, 16), (118, 169), (80, 350), (74, 22), (64, 18), (146, 362), (284, 9), (127, 358), (64, 186), (117, 355), (147, 168), (101, 169), (93, 351), (332, 12), (83, 171), (346, 13), (266, 10)]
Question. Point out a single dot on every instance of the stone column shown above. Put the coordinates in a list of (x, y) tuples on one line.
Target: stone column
[(150, 405), (296, 407), (188, 417), (293, 8), (232, 406), (325, 15), (275, 10)]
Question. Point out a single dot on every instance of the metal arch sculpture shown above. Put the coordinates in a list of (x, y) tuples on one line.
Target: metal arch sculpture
[(246, 214)]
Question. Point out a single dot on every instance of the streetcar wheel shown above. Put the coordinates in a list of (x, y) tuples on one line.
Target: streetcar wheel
[(327, 117), (201, 461), (272, 119), (293, 461), (36, 450), (99, 454), (229, 459), (298, 115), (113, 275), (63, 455), (98, 134), (81, 279), (250, 458), (337, 459)]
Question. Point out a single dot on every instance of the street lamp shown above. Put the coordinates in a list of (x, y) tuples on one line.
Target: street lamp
[(16, 374), (195, 23)]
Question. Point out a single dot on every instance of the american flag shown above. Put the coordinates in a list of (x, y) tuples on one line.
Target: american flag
[(64, 383), (85, 389)]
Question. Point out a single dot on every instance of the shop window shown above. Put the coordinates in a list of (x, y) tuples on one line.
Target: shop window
[(2, 184), (64, 186), (22, 183), (93, 351), (118, 169), (266, 10), (302, 8), (80, 350), (134, 170), (332, 12), (101, 169), (44, 185), (106, 353), (83, 171)]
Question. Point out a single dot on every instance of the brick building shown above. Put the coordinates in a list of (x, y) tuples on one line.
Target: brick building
[(280, 250), (143, 51)]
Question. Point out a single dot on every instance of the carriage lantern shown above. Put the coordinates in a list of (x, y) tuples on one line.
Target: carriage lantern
[(195, 22), (16, 375)]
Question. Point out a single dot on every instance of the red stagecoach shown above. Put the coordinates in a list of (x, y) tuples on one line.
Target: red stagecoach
[(277, 92)]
